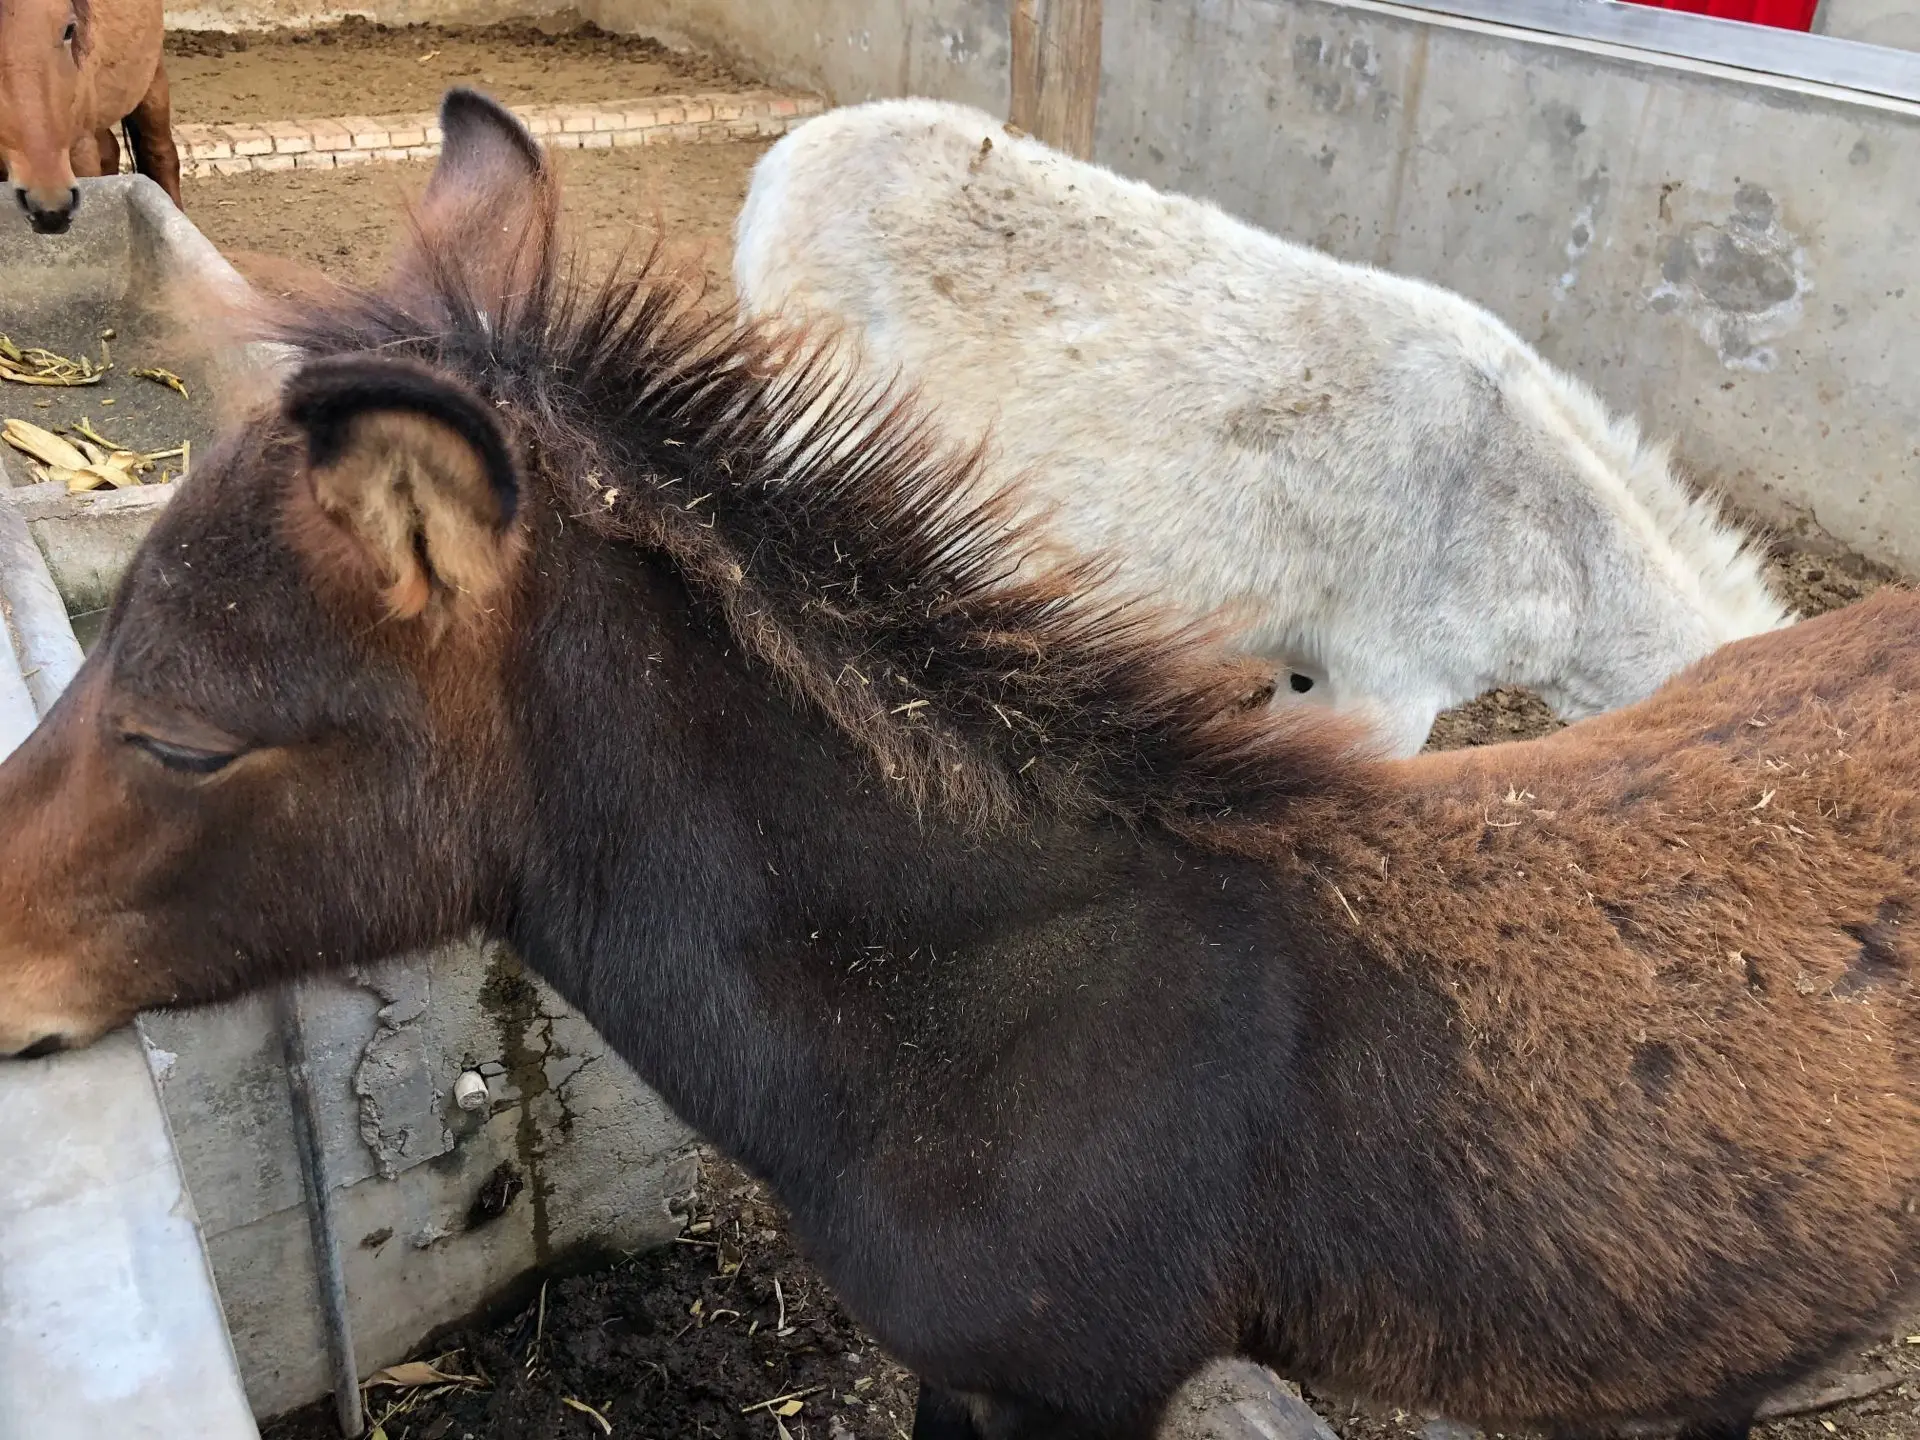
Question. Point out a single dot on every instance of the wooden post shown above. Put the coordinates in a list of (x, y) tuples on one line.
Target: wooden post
[(1056, 72)]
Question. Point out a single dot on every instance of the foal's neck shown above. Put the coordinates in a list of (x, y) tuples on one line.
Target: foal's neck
[(723, 883)]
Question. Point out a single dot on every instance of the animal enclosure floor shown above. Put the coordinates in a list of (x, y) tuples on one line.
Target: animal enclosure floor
[(626, 1341), (359, 68), (344, 221), (682, 1343)]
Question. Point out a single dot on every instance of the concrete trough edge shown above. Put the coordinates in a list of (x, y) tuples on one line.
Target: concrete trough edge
[(110, 1323), (47, 653)]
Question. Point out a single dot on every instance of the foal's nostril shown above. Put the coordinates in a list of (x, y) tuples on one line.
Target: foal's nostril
[(46, 1045)]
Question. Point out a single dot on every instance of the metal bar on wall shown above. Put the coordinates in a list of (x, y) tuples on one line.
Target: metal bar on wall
[(1821, 59)]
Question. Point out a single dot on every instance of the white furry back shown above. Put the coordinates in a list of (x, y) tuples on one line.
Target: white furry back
[(1391, 491)]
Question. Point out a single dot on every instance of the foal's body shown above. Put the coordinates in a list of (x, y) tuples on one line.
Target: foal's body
[(1088, 1023), (1465, 1086)]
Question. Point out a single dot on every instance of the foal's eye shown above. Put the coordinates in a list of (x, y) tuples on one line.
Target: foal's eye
[(182, 757), (66, 35)]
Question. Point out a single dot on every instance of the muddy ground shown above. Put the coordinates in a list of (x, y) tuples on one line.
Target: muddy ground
[(359, 68), (684, 1343)]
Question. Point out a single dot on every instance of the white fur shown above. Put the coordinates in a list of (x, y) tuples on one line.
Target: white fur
[(1401, 500)]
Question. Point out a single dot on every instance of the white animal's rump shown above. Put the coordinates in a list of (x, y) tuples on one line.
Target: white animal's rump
[(1386, 486)]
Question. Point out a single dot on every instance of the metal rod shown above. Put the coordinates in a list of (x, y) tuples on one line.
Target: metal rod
[(328, 1270), (1764, 50)]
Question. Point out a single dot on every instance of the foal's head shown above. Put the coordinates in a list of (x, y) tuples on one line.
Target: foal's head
[(323, 720), (286, 750)]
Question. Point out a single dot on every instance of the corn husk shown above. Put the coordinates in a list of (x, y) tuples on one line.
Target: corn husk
[(43, 445), (31, 365)]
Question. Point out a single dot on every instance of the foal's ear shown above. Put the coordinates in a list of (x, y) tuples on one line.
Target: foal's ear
[(488, 210), (482, 144), (416, 468)]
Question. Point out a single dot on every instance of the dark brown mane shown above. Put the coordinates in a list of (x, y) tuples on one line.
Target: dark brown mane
[(833, 537)]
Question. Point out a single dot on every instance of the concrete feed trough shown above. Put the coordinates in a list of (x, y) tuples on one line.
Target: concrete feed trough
[(437, 1206)]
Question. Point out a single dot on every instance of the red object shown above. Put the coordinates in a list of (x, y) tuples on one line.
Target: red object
[(1781, 14)]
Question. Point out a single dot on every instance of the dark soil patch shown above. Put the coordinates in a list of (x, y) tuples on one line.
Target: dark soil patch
[(1813, 583), (1504, 714), (678, 1344), (360, 68)]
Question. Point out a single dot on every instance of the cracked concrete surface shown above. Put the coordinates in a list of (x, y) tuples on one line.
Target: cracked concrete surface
[(600, 1159)]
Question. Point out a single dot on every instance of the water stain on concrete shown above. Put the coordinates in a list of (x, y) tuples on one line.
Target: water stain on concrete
[(1341, 74), (1741, 280)]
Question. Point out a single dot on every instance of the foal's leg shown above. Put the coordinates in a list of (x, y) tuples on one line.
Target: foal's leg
[(109, 144), (942, 1415), (150, 133), (946, 1415), (1737, 1428)]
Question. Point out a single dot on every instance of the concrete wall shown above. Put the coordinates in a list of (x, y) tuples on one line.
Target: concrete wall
[(849, 50), (1876, 22), (274, 14), (592, 1160)]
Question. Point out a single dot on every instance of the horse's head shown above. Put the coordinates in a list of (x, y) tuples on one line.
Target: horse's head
[(287, 749), (43, 48)]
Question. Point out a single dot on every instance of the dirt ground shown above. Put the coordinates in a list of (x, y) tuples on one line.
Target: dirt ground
[(683, 1343), (359, 68), (345, 221)]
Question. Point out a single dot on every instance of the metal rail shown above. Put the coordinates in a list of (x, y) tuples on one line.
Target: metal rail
[(329, 1272), (1761, 49)]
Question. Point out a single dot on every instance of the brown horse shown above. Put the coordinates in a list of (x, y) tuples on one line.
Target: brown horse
[(1089, 1022), (70, 72)]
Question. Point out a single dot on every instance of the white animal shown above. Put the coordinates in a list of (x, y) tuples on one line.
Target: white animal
[(1403, 502)]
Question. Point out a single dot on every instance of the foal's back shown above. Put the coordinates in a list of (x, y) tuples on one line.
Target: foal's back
[(1667, 1106)]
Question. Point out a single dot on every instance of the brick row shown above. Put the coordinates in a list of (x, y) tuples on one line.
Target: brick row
[(369, 139)]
